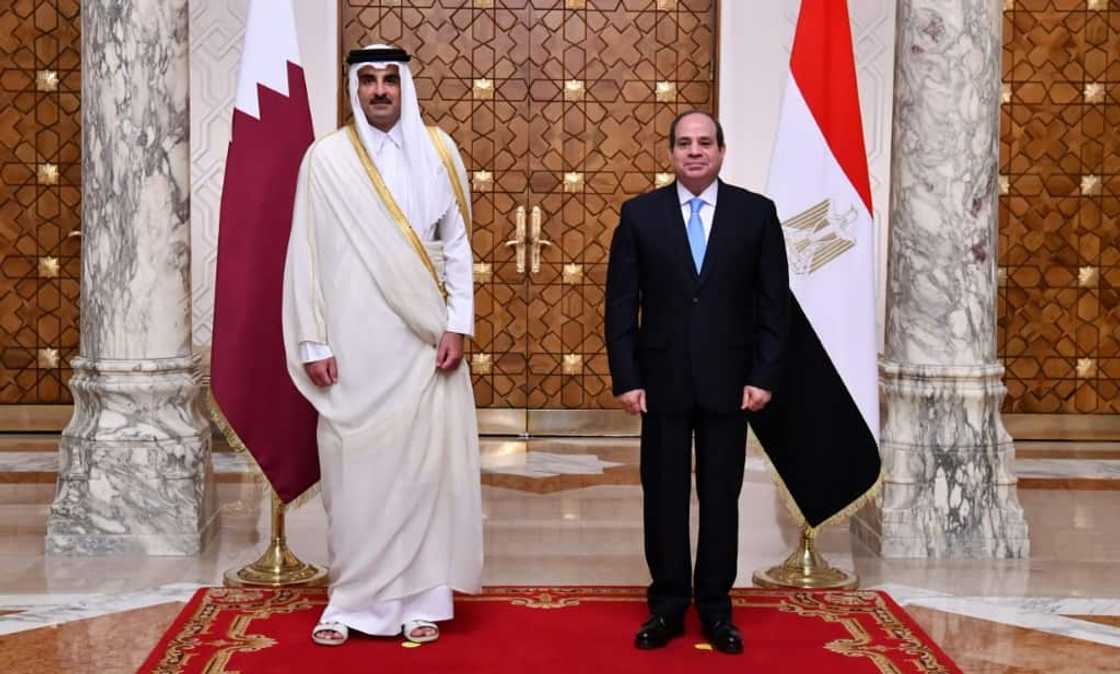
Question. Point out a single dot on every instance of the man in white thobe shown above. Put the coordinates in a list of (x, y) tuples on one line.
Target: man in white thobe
[(378, 297)]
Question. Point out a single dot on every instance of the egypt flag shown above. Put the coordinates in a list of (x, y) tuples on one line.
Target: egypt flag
[(821, 431), (254, 400)]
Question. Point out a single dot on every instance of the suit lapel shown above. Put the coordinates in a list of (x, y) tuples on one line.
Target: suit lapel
[(677, 236), (720, 230)]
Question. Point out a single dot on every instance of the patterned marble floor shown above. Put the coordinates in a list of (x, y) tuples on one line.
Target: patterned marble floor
[(569, 511)]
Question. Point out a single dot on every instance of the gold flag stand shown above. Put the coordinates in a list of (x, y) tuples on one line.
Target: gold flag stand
[(278, 566), (806, 569)]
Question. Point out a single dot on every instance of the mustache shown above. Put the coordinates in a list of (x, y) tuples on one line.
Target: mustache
[(380, 99)]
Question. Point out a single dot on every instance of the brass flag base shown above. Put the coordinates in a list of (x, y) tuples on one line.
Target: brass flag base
[(278, 566), (805, 569)]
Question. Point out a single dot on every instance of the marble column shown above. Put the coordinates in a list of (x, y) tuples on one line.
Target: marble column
[(135, 473), (949, 488)]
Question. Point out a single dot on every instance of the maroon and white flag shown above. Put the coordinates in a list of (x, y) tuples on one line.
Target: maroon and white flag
[(258, 406)]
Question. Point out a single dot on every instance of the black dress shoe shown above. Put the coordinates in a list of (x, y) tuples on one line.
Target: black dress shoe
[(656, 631), (724, 637)]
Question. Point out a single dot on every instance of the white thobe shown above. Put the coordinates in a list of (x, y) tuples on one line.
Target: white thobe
[(431, 543), (450, 229)]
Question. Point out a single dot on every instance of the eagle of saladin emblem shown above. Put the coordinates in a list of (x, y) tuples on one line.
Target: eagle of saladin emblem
[(818, 236)]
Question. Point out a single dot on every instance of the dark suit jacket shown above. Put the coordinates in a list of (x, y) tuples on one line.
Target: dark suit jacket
[(700, 338)]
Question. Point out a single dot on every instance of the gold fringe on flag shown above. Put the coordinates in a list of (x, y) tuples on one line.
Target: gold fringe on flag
[(806, 568), (277, 566)]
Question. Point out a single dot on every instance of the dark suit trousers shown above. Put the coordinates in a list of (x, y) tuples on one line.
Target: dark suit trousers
[(666, 467)]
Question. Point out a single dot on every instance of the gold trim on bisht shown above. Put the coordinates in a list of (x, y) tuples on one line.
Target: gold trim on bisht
[(395, 211), (453, 176)]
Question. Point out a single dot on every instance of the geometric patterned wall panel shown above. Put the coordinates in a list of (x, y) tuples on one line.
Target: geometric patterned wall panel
[(607, 79), (40, 198), (217, 31), (1059, 229), (562, 105)]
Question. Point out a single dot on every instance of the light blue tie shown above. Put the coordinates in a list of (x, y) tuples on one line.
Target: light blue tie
[(696, 239)]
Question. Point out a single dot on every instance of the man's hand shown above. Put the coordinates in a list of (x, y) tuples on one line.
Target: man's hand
[(634, 402), (450, 351), (755, 399), (323, 373)]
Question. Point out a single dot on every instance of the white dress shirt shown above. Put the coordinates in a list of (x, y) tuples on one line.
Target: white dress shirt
[(389, 156), (707, 211)]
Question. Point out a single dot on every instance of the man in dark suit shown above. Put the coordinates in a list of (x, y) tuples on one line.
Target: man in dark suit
[(703, 264)]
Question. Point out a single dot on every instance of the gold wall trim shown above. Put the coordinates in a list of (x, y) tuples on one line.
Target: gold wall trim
[(558, 423), (501, 421), (1063, 426), (605, 423), (23, 418)]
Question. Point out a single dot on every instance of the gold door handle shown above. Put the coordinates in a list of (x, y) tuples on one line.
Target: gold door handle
[(536, 242), (518, 240)]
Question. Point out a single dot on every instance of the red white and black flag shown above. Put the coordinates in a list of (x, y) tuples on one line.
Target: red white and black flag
[(258, 406), (821, 431)]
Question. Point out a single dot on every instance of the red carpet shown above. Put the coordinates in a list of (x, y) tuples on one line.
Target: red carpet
[(544, 630)]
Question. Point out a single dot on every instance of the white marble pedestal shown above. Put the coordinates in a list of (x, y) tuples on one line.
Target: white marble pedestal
[(135, 473), (949, 489)]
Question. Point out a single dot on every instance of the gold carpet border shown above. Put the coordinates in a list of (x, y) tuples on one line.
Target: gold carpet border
[(554, 597), (829, 606), (835, 606), (202, 622)]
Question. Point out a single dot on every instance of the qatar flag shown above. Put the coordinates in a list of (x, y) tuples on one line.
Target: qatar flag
[(254, 400), (821, 431)]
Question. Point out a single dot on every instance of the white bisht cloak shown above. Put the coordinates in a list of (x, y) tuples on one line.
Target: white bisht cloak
[(398, 439)]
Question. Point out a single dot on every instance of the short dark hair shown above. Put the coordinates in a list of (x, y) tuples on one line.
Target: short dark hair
[(686, 113)]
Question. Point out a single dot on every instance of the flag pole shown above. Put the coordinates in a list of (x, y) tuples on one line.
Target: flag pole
[(806, 569), (278, 566)]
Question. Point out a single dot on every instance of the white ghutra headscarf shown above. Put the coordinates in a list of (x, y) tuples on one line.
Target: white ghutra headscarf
[(423, 193)]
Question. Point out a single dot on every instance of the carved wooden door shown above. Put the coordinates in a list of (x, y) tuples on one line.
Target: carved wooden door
[(561, 109)]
